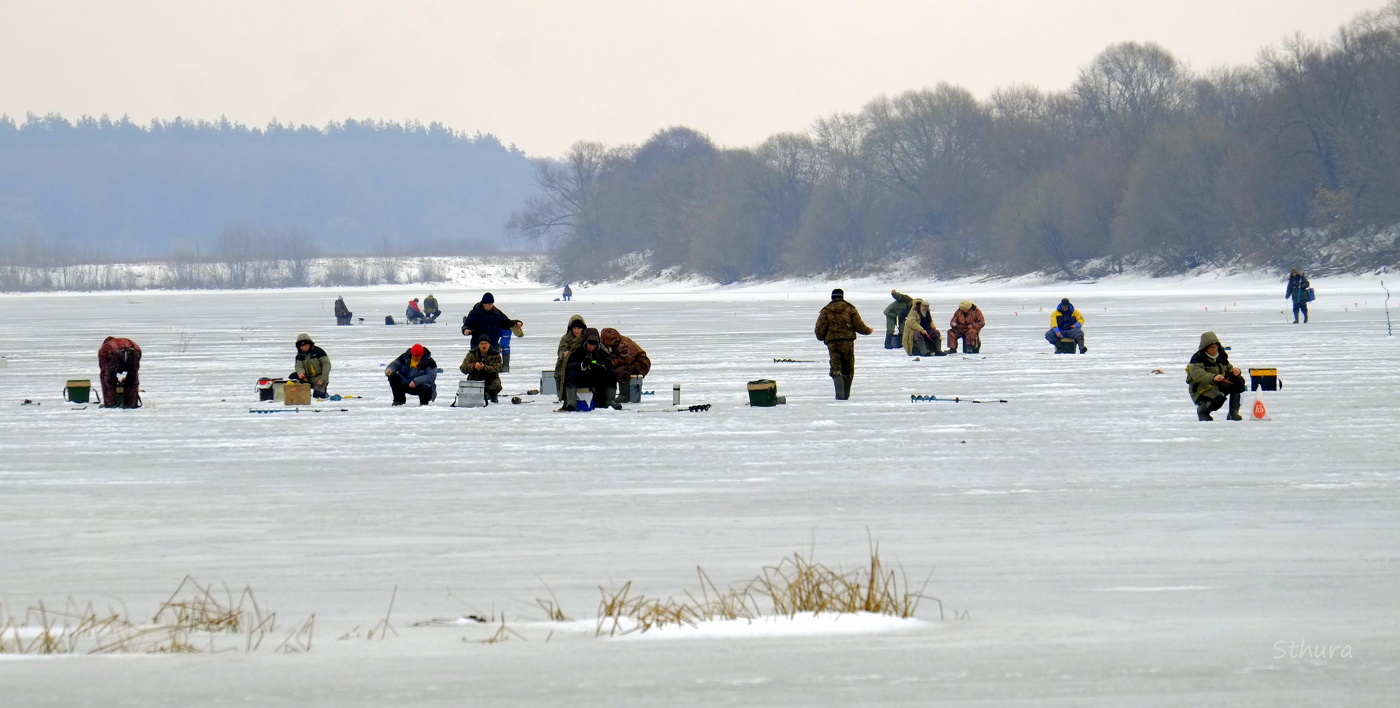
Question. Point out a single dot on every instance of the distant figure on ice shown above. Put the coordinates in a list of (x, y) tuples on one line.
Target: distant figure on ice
[(486, 321), (482, 364), (430, 308), (119, 365), (1300, 292), (413, 313), (1066, 329), (837, 326), (1212, 380), (414, 372), (342, 313), (312, 366), (895, 315), (967, 324), (920, 338), (568, 293), (572, 339), (589, 367), (628, 360)]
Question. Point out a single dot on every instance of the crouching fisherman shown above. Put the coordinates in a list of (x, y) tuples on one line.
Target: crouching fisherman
[(483, 364), (589, 367), (313, 366), (414, 372), (920, 337), (342, 312), (1212, 380), (628, 360), (1066, 327), (119, 364)]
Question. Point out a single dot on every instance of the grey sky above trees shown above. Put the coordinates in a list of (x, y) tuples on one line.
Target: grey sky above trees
[(543, 75)]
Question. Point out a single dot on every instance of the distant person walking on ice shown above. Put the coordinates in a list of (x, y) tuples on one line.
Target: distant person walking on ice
[(313, 366), (1212, 380), (837, 326), (895, 314), (967, 324), (342, 313), (413, 372), (1300, 292), (413, 313), (568, 293), (1066, 324), (430, 308), (119, 366)]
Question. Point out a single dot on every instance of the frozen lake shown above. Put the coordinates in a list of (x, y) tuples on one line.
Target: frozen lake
[(1092, 543)]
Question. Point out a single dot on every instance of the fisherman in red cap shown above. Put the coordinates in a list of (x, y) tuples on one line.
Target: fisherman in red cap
[(413, 372)]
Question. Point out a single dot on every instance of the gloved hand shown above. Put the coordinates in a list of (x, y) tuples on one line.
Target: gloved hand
[(1056, 331)]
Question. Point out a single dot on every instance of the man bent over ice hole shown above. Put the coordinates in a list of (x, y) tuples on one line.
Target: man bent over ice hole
[(119, 364)]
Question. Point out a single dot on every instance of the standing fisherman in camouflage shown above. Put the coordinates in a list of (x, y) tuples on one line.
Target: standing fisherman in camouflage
[(837, 326)]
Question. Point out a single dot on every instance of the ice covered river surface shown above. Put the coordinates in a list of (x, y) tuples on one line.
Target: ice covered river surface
[(1091, 542)]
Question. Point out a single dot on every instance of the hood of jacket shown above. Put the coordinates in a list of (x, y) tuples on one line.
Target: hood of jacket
[(304, 338), (1207, 339), (609, 337), (576, 318)]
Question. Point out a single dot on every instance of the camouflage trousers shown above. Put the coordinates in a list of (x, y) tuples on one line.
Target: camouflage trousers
[(843, 358)]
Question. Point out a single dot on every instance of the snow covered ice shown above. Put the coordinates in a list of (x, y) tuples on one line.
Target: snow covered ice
[(1092, 543)]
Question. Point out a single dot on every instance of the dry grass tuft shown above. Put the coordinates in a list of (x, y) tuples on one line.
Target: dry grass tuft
[(793, 585)]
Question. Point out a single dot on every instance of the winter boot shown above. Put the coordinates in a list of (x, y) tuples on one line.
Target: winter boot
[(1234, 413), (1083, 349), (892, 341), (840, 384), (1203, 410), (846, 390)]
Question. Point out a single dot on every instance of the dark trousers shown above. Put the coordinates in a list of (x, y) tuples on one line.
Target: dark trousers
[(342, 319), (842, 354), (401, 390), (1300, 307)]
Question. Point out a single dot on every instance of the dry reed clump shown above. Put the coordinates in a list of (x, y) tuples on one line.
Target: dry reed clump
[(793, 585), (188, 622)]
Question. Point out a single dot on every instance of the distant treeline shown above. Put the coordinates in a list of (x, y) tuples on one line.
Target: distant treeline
[(1292, 161), (102, 189)]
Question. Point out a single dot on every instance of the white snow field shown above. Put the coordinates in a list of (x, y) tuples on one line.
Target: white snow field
[(1092, 543)]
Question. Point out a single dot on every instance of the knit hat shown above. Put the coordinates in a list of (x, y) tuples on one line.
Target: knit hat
[(1065, 303), (417, 351), (590, 335), (488, 298), (965, 305), (838, 294)]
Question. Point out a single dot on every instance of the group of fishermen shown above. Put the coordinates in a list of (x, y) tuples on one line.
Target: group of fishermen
[(605, 362)]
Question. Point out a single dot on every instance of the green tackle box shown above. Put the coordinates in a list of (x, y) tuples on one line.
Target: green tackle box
[(763, 393), (77, 390)]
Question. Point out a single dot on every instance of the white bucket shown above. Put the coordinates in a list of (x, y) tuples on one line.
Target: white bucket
[(470, 394)]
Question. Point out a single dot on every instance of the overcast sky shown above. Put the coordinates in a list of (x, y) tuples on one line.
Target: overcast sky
[(543, 75)]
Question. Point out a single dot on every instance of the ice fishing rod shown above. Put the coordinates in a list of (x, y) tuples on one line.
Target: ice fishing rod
[(698, 408), (1388, 333), (915, 398)]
